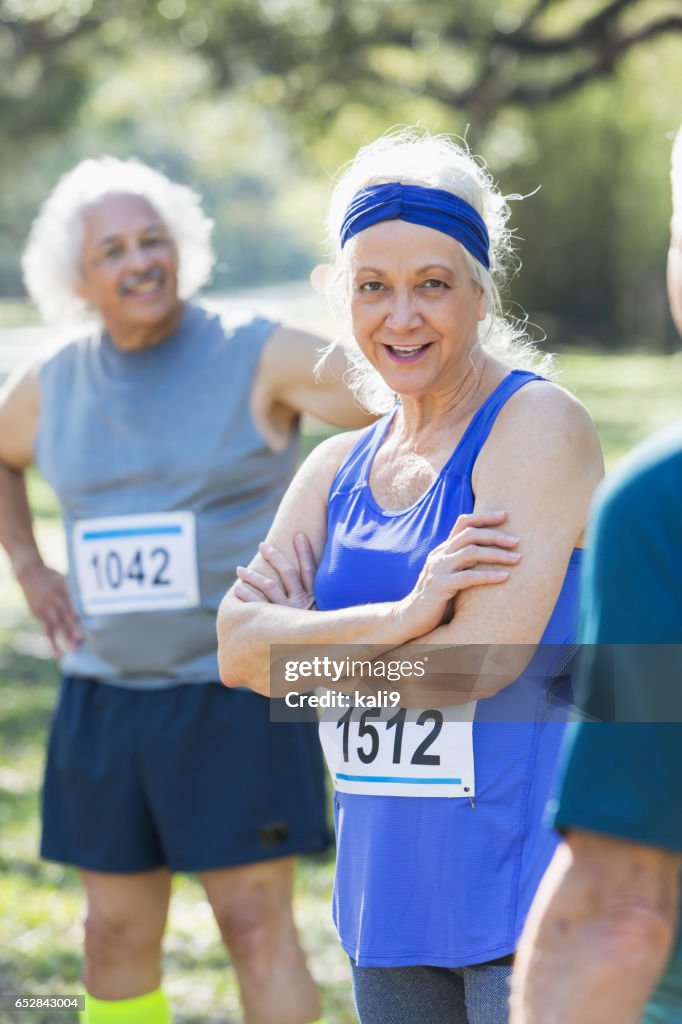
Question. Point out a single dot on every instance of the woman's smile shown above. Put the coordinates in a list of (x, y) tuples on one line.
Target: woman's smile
[(407, 353)]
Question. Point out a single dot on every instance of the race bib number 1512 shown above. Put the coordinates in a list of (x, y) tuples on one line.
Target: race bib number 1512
[(389, 752)]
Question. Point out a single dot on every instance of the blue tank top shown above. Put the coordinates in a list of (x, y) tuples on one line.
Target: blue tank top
[(436, 880)]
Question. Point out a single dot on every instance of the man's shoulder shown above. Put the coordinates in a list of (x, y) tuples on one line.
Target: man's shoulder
[(659, 451), (645, 475), (231, 321), (68, 343)]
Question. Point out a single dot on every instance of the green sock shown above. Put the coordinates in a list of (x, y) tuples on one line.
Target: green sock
[(151, 1008)]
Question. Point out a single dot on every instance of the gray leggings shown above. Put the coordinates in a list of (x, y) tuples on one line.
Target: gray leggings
[(432, 995)]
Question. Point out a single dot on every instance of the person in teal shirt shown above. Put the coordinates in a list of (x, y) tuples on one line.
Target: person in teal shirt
[(604, 925)]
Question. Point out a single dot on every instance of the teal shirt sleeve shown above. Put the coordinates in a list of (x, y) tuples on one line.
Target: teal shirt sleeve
[(621, 775)]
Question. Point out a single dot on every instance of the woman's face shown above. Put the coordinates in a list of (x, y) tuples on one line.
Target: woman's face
[(414, 305)]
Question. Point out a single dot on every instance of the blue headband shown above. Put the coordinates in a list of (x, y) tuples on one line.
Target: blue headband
[(430, 207)]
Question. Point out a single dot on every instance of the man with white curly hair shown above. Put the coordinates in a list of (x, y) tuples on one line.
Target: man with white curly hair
[(602, 928), (169, 435)]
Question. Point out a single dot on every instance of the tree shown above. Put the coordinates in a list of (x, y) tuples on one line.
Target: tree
[(307, 55), (257, 102)]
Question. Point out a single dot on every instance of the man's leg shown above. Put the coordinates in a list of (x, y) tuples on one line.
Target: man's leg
[(253, 908), (599, 933), (126, 918), (665, 1005)]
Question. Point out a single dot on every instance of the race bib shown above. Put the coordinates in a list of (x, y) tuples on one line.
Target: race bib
[(401, 752), (136, 563)]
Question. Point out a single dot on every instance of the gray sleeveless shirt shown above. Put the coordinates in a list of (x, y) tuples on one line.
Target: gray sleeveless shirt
[(164, 430)]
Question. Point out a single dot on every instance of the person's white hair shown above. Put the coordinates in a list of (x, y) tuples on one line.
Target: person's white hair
[(676, 181), (52, 254), (414, 157)]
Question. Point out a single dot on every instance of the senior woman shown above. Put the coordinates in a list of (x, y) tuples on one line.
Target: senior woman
[(431, 891)]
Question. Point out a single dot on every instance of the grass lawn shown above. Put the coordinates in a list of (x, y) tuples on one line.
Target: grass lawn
[(17, 313), (629, 396), (40, 905)]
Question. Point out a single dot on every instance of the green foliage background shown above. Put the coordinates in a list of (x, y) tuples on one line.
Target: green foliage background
[(257, 103)]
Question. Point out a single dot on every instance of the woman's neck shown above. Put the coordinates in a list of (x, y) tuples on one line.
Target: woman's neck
[(427, 417)]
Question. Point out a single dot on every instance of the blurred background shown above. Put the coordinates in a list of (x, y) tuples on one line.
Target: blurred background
[(256, 104)]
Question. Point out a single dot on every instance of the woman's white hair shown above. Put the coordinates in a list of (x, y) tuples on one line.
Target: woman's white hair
[(52, 255), (414, 157)]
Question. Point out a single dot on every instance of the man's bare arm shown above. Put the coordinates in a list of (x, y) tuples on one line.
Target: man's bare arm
[(45, 589), (288, 371)]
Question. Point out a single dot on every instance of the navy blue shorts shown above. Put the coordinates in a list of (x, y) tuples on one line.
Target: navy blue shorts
[(193, 777)]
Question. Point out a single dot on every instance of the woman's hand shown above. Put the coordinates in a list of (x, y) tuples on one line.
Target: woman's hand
[(294, 584), (475, 554)]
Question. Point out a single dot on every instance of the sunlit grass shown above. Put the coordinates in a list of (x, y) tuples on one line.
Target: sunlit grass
[(15, 313), (629, 396)]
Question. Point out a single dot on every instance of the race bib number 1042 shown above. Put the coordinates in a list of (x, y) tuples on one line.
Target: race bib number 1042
[(136, 563)]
